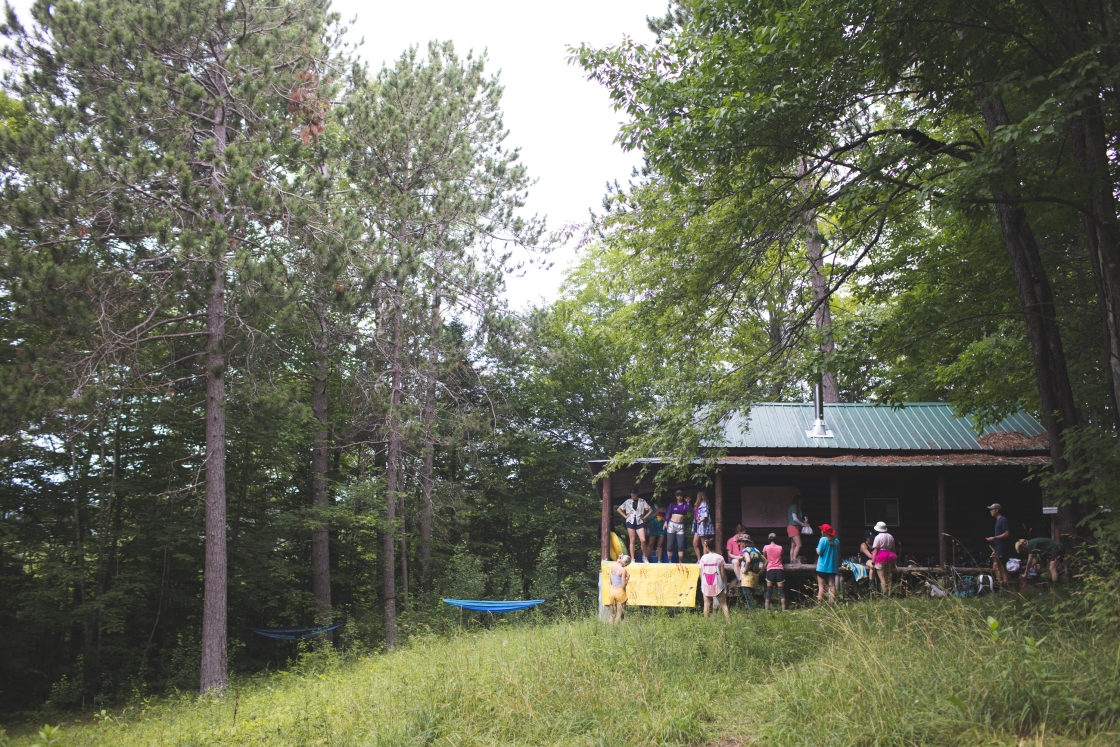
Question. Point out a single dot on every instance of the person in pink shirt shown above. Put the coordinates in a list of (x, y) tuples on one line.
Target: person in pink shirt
[(775, 571), (735, 552)]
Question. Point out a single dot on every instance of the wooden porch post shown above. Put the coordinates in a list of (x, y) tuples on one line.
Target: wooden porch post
[(834, 500), (942, 522), (719, 513), (605, 524)]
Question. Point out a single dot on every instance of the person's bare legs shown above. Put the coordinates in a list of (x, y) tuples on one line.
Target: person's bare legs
[(696, 546), (1000, 572), (707, 605), (820, 589), (1053, 570), (723, 605), (794, 548), (633, 533), (885, 579), (642, 544), (833, 585)]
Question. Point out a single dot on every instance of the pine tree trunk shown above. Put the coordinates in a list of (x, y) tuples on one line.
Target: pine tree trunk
[(388, 544), (1037, 302), (214, 672), (1102, 234), (320, 464), (428, 416)]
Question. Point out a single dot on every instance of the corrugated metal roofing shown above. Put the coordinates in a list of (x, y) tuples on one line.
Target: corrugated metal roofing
[(915, 426), (869, 460)]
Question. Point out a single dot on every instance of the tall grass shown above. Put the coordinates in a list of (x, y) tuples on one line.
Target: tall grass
[(896, 673)]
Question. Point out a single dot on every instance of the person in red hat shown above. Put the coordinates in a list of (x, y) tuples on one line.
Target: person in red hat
[(828, 563)]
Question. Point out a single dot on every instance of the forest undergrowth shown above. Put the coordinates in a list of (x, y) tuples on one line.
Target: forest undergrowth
[(1011, 670)]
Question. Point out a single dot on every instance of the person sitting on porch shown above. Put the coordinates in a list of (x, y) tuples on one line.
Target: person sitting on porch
[(620, 577), (674, 529), (702, 528), (656, 533), (635, 511), (795, 519), (1042, 550), (712, 584), (885, 557), (828, 563), (735, 551), (775, 571), (866, 551)]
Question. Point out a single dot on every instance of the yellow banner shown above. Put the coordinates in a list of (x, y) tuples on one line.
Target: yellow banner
[(656, 584)]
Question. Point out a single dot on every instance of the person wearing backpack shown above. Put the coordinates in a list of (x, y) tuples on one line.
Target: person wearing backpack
[(828, 563), (752, 564)]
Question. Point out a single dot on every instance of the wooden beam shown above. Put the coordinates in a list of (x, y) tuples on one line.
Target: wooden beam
[(719, 513), (942, 522), (605, 524), (834, 500)]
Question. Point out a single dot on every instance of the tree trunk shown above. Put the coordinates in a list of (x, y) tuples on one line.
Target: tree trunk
[(320, 463), (1102, 234), (814, 250), (428, 416), (404, 563), (1037, 301), (388, 545), (214, 672)]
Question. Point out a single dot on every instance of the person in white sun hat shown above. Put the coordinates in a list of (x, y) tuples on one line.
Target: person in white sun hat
[(885, 557)]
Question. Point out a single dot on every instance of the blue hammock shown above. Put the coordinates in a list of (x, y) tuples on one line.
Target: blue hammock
[(477, 606), (295, 634)]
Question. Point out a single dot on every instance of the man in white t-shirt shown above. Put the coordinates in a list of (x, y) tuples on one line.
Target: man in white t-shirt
[(634, 512)]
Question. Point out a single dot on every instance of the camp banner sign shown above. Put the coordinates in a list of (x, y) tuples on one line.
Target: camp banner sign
[(655, 584)]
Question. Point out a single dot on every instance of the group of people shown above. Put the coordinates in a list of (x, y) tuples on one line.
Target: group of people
[(664, 529)]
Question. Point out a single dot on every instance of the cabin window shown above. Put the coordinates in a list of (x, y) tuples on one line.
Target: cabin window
[(880, 509)]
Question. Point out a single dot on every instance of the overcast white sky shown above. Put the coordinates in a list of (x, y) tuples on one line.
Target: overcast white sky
[(564, 124)]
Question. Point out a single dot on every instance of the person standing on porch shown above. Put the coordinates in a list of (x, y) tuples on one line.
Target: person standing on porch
[(775, 571), (620, 577), (656, 533), (1001, 542), (795, 519), (885, 557), (703, 528), (828, 563), (712, 584), (635, 511), (674, 528)]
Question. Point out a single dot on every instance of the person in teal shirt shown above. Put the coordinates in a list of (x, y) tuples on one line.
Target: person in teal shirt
[(828, 563)]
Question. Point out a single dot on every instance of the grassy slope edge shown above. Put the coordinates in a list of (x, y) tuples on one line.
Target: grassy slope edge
[(896, 673)]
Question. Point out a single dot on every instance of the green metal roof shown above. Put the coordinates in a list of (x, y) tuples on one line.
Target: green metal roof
[(914, 426)]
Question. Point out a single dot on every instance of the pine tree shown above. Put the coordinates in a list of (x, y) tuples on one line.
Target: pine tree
[(152, 151)]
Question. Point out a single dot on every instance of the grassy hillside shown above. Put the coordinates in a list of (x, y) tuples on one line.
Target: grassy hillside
[(894, 673)]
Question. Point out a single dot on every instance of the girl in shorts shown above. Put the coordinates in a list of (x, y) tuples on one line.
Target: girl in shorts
[(711, 580), (635, 511), (885, 557), (828, 563), (674, 527), (775, 571)]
